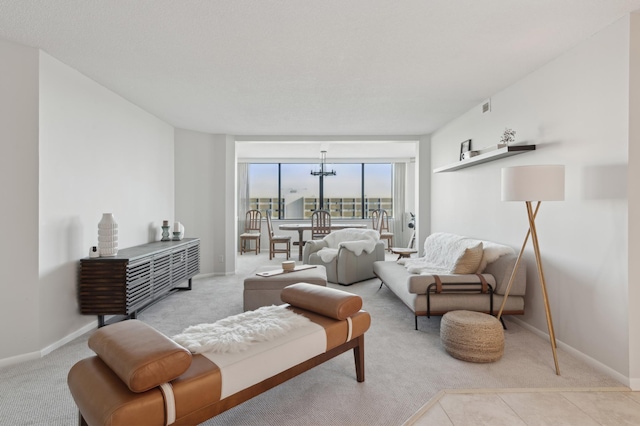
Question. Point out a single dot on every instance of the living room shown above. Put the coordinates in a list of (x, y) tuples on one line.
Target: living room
[(75, 149)]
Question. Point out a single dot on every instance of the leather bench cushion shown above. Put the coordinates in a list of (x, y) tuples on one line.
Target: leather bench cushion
[(326, 301), (104, 399), (141, 356), (338, 331), (240, 370)]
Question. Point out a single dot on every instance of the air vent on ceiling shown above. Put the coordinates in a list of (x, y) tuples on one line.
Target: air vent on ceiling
[(486, 106)]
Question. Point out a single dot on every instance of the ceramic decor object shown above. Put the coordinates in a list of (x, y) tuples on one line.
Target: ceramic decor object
[(108, 235)]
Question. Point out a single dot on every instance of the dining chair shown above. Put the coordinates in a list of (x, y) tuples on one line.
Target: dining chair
[(252, 231), (277, 239), (320, 224), (381, 222)]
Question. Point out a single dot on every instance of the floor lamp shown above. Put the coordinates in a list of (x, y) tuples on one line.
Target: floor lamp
[(528, 184)]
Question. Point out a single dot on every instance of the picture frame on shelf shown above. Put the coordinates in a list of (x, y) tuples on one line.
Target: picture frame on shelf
[(464, 147)]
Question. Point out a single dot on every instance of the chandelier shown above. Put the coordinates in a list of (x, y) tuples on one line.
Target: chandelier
[(322, 171)]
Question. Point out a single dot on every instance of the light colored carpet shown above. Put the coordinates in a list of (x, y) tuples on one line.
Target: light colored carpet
[(404, 368)]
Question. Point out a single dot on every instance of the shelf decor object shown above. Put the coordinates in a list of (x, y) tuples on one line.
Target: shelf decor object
[(509, 136), (165, 231), (534, 183), (108, 235), (484, 157), (178, 231), (464, 148)]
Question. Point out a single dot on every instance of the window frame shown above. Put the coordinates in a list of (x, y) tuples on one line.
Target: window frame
[(364, 202)]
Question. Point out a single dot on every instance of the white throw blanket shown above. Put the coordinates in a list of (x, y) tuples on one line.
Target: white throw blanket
[(355, 240), (442, 250), (238, 332)]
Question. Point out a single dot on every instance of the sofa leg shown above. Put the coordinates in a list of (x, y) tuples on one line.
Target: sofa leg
[(416, 319), (358, 354), (81, 420)]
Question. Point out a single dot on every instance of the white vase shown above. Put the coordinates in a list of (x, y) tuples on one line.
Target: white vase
[(108, 235)]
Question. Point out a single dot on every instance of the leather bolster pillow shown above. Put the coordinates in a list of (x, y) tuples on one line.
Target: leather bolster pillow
[(330, 302), (142, 357)]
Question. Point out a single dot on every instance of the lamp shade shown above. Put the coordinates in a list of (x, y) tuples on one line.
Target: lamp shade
[(533, 183)]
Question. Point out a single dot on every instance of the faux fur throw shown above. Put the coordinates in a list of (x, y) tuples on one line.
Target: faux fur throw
[(238, 332), (355, 240), (441, 249)]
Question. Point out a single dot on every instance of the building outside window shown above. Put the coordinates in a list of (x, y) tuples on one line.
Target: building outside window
[(292, 192)]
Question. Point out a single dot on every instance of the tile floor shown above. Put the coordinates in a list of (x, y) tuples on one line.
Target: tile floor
[(580, 407)]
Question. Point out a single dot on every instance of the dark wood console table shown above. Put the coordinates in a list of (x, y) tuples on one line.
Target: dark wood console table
[(137, 277)]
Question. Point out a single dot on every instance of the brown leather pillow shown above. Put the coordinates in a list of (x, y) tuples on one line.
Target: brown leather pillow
[(142, 357), (322, 300)]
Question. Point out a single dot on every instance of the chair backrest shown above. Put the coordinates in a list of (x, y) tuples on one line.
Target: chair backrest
[(375, 223), (269, 225), (320, 224), (383, 219), (253, 221), (380, 220)]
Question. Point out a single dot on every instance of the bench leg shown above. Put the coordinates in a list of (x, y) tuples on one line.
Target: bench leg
[(358, 354)]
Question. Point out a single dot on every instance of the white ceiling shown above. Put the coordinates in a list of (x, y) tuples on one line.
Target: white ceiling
[(316, 67)]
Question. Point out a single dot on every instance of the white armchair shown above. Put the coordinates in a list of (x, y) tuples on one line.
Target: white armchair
[(347, 254)]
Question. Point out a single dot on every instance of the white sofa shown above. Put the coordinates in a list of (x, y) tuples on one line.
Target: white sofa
[(450, 277), (347, 254)]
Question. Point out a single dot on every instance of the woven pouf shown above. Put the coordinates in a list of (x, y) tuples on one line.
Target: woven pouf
[(472, 336)]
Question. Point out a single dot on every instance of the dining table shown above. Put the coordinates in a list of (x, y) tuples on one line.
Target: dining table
[(301, 227)]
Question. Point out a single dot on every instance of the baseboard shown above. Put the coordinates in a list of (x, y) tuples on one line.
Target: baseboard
[(602, 368), (203, 276), (18, 359), (89, 327), (214, 274)]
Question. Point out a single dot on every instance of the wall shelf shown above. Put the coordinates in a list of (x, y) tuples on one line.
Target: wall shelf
[(496, 154)]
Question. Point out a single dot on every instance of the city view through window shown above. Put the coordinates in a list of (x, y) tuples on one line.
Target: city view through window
[(352, 193)]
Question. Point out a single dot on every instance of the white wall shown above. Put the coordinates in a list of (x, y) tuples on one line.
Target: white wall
[(575, 109), (205, 196), (19, 316), (97, 153), (423, 196), (634, 201)]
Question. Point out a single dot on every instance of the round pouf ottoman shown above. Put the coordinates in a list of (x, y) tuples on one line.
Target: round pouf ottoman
[(472, 336)]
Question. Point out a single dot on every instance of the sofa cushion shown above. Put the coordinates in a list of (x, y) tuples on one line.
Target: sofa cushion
[(448, 254), (491, 253), (142, 357), (469, 260)]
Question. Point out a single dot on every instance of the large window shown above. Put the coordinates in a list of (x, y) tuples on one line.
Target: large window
[(263, 188), (292, 192), (377, 187)]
